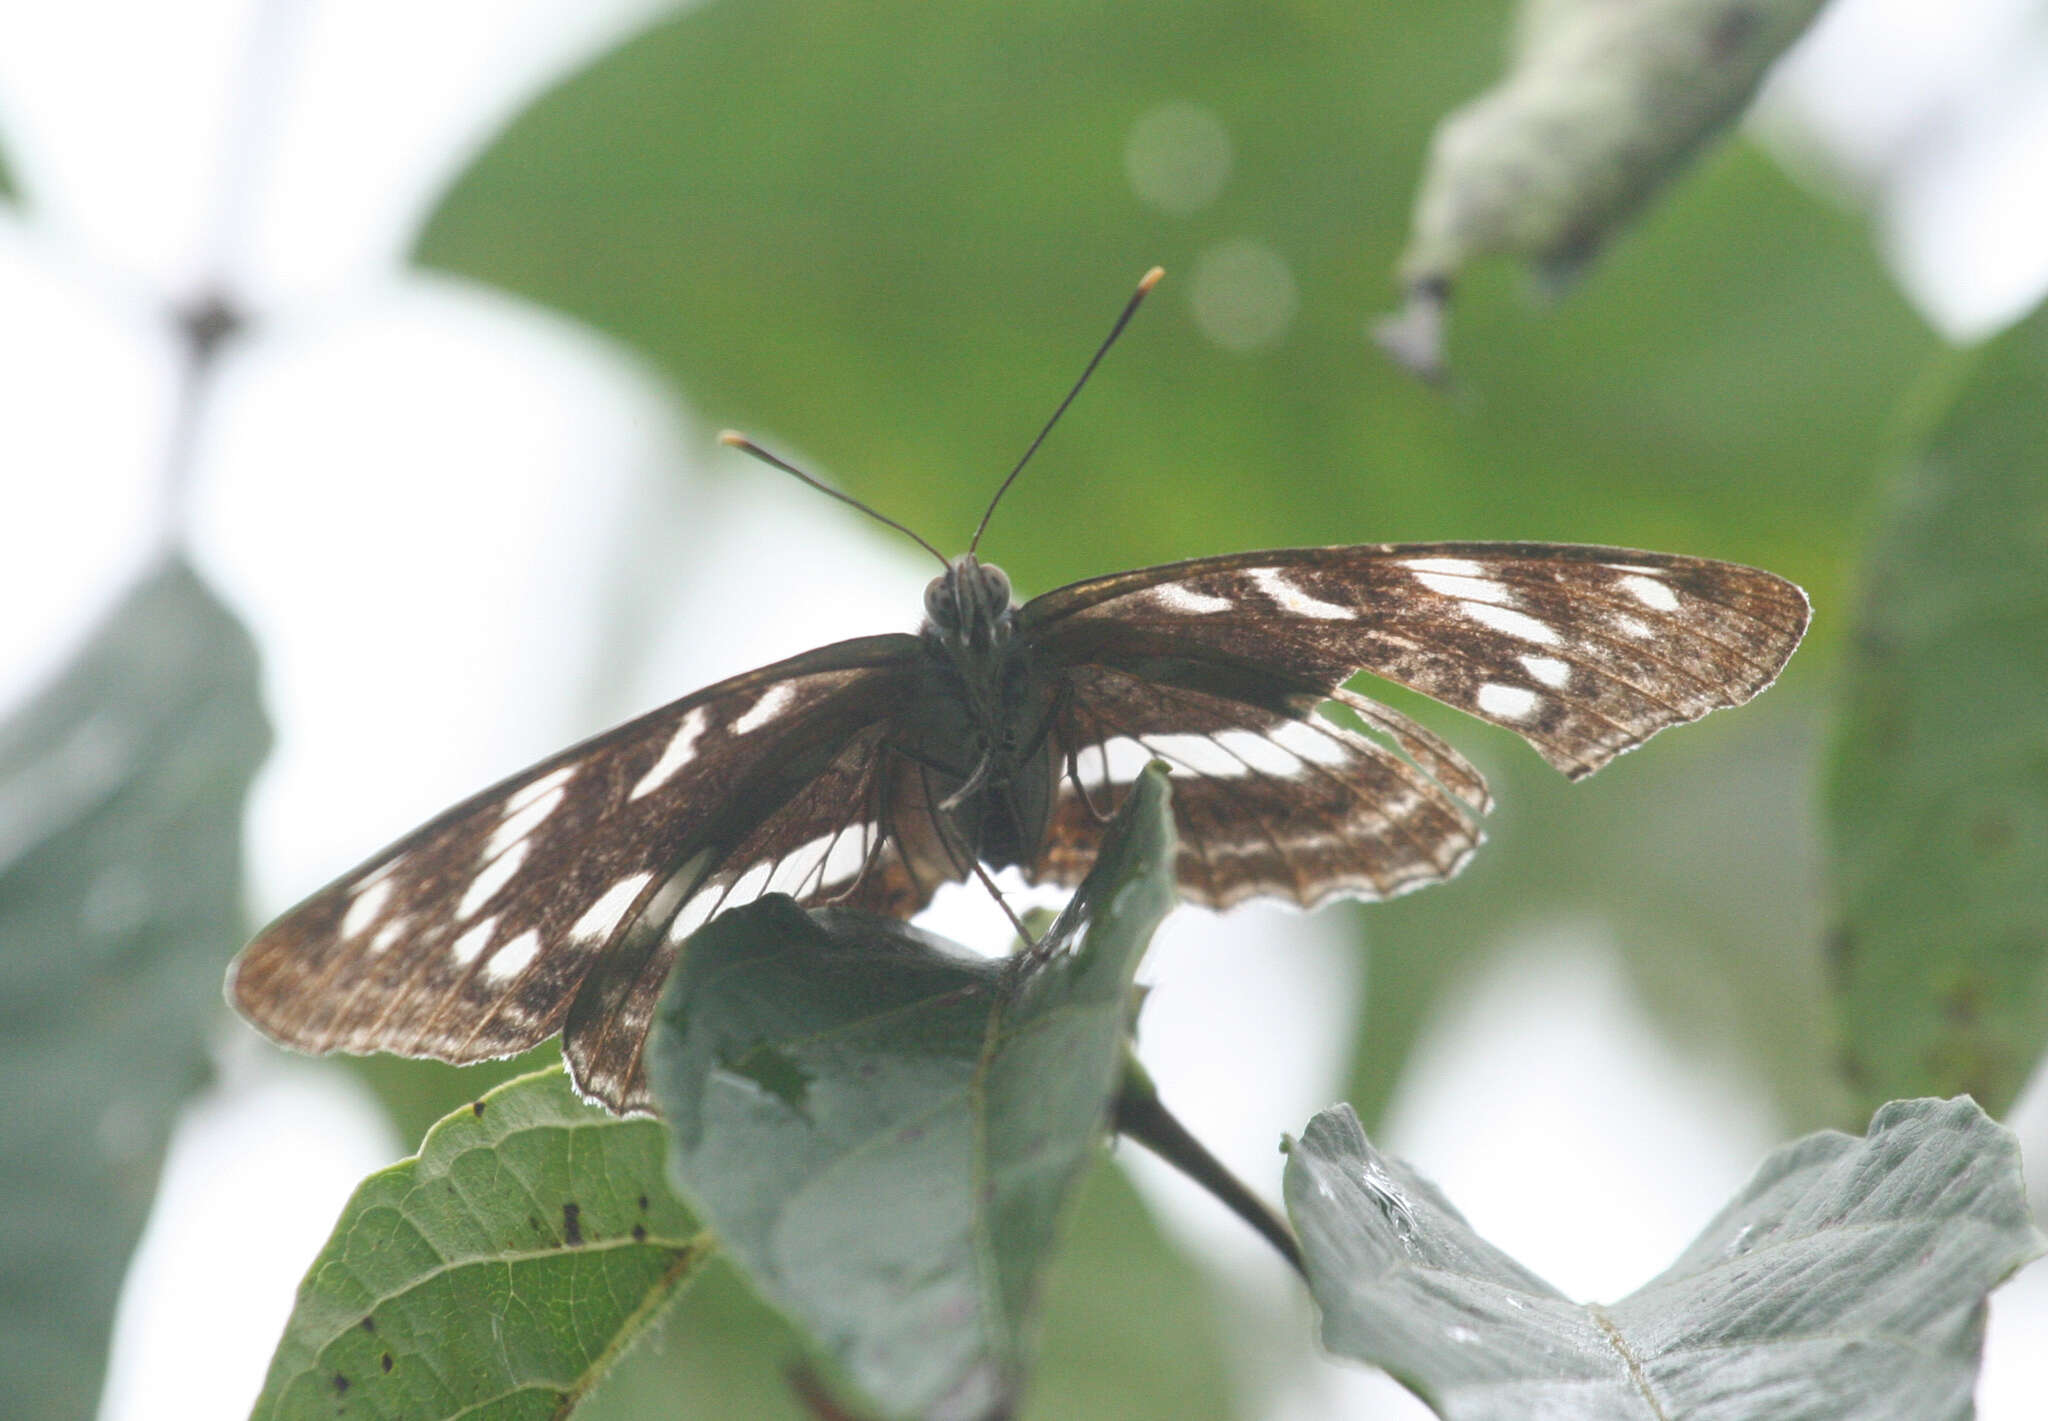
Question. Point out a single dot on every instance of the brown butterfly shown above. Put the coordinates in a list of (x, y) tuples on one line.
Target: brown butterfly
[(868, 772)]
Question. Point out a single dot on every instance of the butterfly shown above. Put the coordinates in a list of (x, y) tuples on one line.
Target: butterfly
[(866, 773)]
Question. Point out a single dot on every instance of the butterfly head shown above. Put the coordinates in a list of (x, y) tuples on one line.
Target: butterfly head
[(968, 605)]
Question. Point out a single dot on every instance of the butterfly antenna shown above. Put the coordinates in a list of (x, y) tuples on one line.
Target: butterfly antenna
[(1145, 283), (739, 441)]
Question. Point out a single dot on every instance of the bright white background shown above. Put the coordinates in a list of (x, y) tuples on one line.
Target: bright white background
[(422, 496)]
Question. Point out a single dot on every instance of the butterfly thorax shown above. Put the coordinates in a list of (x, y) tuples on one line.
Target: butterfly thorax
[(979, 734)]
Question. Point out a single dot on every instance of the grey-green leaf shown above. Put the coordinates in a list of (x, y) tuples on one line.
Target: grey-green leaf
[(1938, 782), (885, 1132), (1845, 1282), (121, 790), (1602, 105), (496, 1275)]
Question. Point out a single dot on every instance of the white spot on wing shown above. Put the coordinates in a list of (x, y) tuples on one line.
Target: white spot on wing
[(1634, 627), (822, 863), (547, 784), (1507, 619), (1259, 753), (365, 908), (1650, 592), (467, 948), (1275, 584), (1508, 702), (1117, 760), (766, 709), (378, 875), (1198, 754), (1450, 567), (602, 917), (493, 876), (1467, 589), (512, 959), (1317, 746), (388, 934), (662, 907), (681, 747), (521, 819), (1177, 598), (1548, 669)]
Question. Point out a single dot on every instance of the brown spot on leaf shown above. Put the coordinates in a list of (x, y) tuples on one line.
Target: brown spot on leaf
[(476, 1108), (340, 1384), (639, 1233), (643, 1203), (369, 1324), (386, 1362), (572, 1224)]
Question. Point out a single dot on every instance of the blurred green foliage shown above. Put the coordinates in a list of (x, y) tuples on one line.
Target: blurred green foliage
[(122, 789), (888, 234), (1938, 776)]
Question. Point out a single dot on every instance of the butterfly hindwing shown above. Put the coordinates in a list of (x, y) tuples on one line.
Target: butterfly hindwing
[(1272, 796), (475, 935), (1582, 651)]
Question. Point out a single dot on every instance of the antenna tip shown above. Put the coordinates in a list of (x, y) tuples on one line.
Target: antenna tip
[(1151, 278), (732, 438)]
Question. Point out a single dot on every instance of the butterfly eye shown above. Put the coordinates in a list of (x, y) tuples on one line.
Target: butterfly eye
[(938, 601), (995, 585)]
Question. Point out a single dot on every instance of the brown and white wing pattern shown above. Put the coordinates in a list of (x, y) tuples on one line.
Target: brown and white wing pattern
[(1272, 797), (1582, 651), (554, 901)]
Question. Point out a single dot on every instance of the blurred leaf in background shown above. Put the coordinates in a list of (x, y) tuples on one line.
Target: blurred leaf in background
[(887, 235), (1937, 800), (121, 797), (1601, 105)]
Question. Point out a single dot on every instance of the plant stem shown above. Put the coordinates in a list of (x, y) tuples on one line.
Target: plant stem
[(1139, 1113)]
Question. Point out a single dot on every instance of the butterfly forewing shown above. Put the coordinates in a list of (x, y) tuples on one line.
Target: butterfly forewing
[(475, 935), (1583, 651)]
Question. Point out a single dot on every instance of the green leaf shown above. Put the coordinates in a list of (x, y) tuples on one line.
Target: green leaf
[(1937, 799), (1131, 1334), (496, 1275), (121, 791), (885, 1132), (1603, 105), (1845, 1282), (898, 261)]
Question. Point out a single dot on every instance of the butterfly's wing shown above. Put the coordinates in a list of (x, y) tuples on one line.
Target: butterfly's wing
[(554, 900), (1582, 651)]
